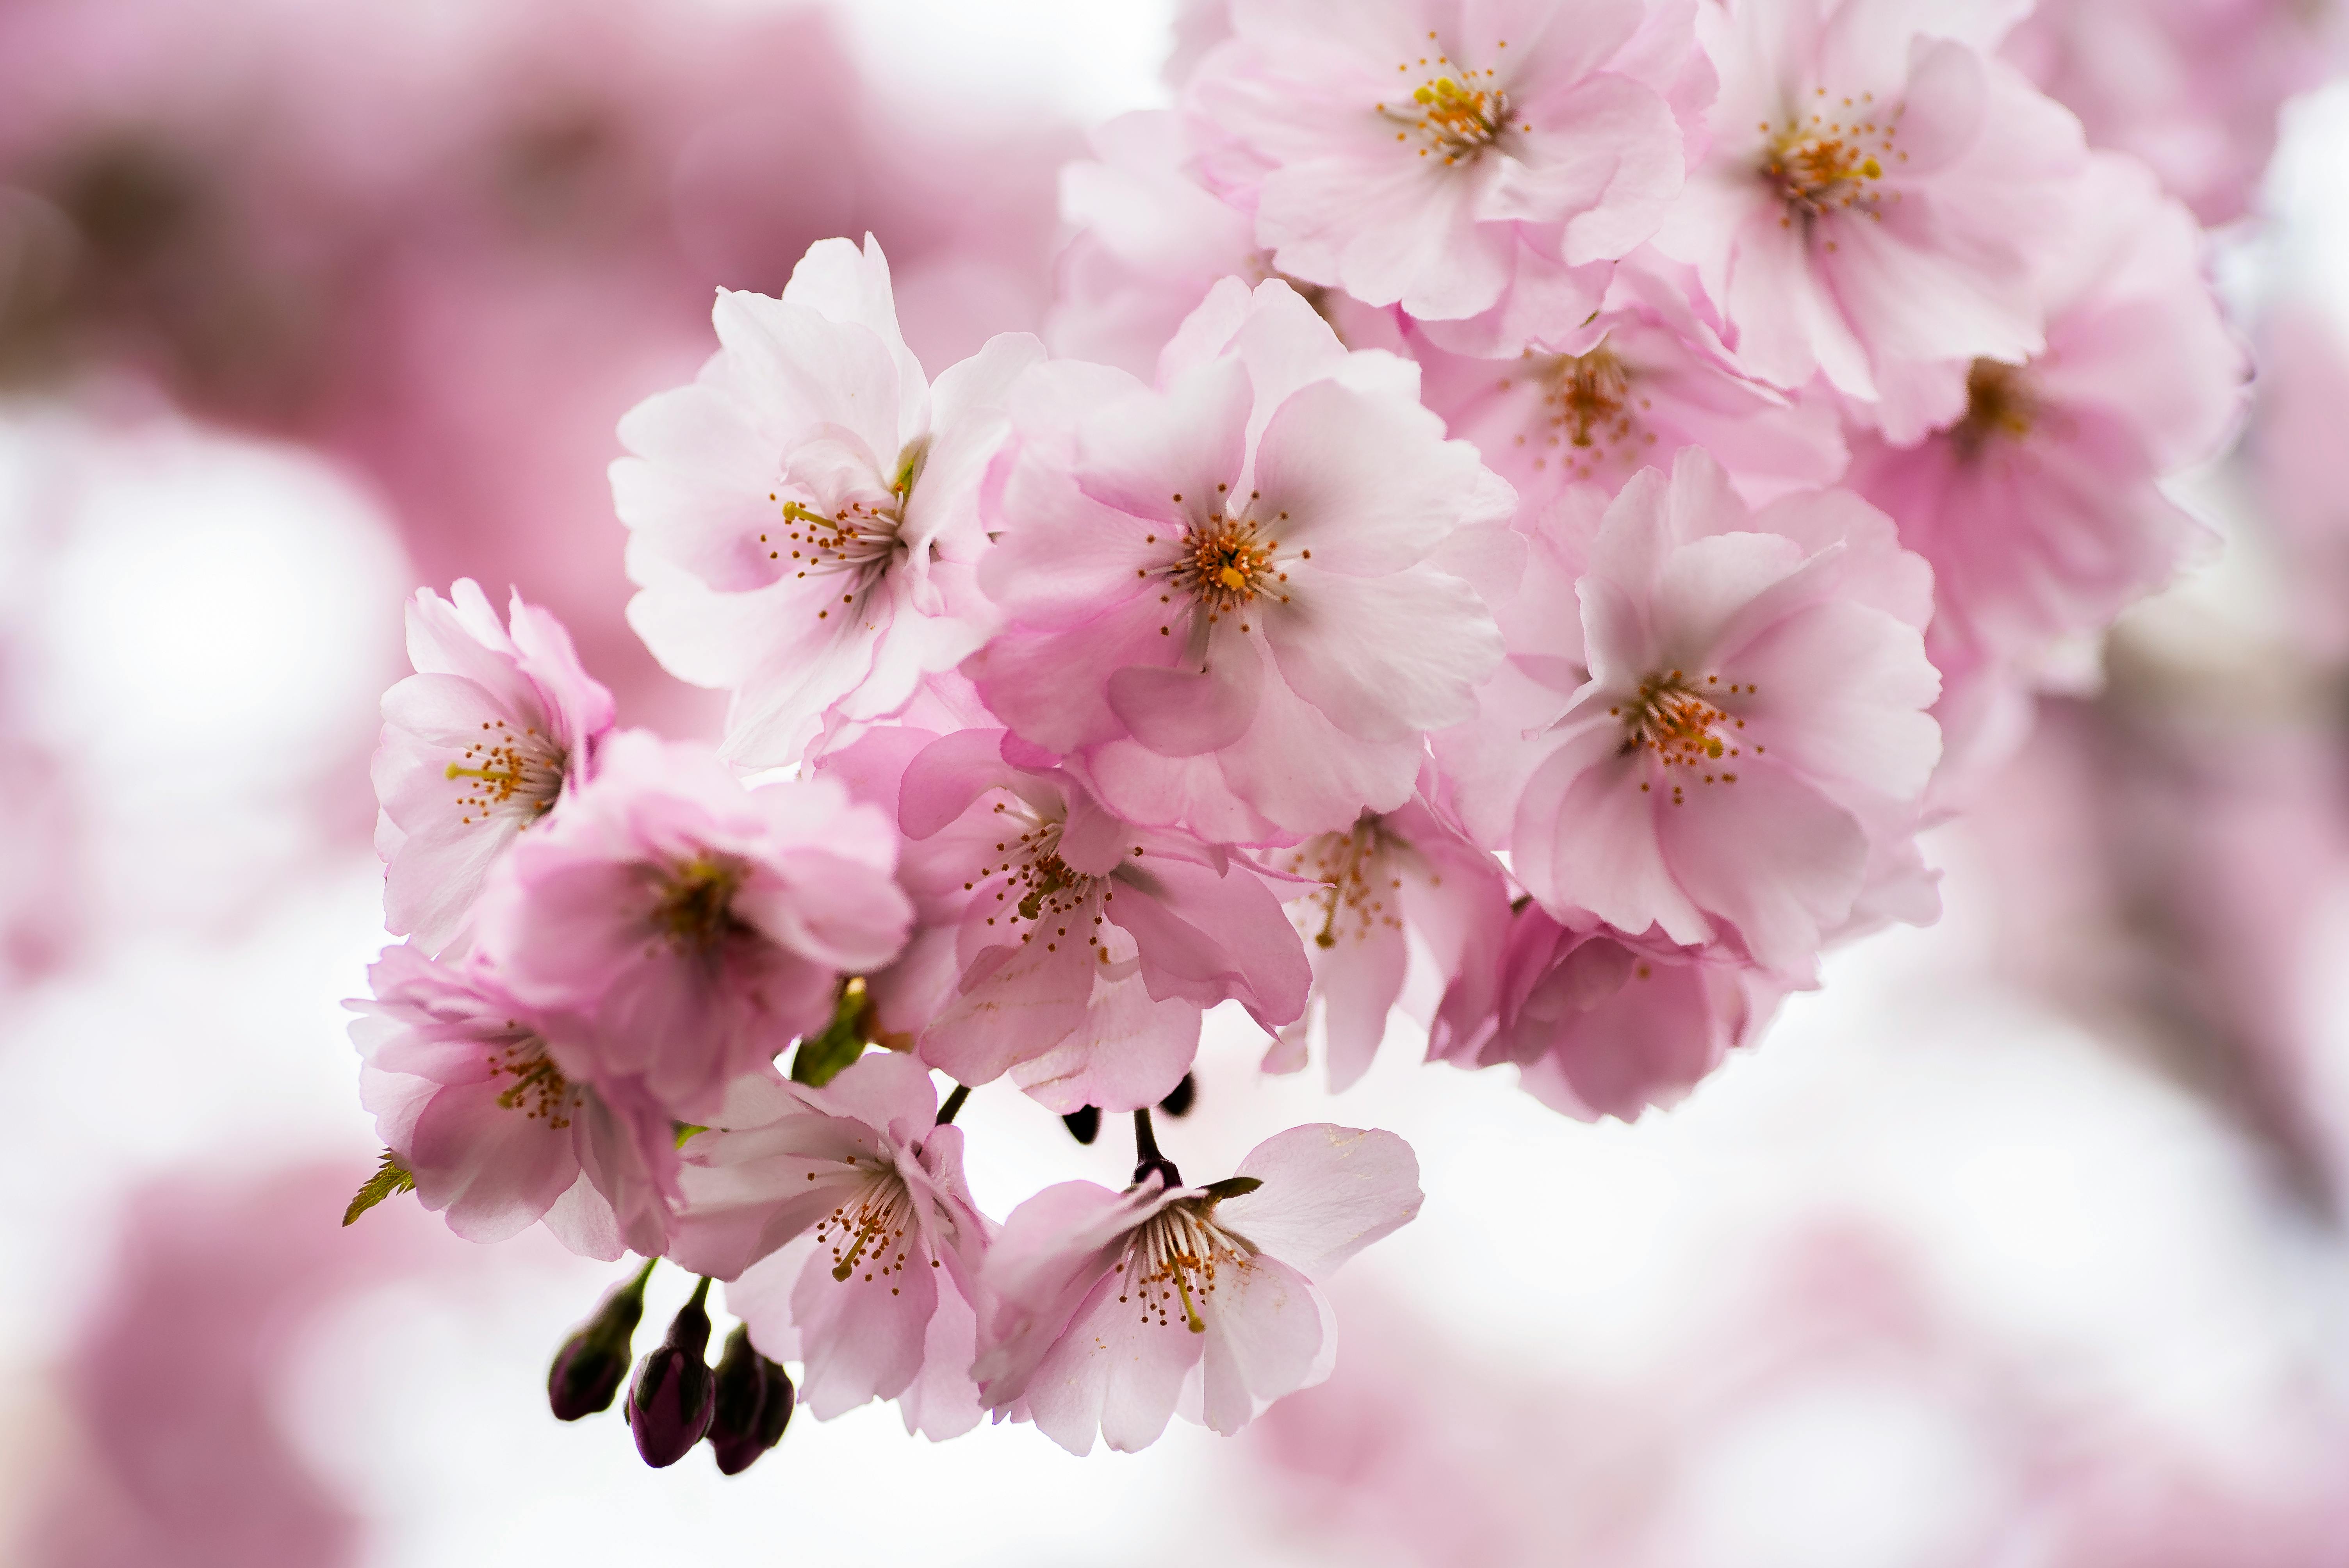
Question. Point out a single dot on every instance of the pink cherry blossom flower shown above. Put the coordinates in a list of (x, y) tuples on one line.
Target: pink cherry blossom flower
[(1400, 892), (1479, 165), (477, 746), (468, 1091), (841, 1216), (1055, 942), (1222, 597), (2189, 87), (2040, 509), (1152, 242), (1655, 381), (1108, 1310), (1600, 1024), (1875, 198), (1753, 725), (804, 515), (695, 927)]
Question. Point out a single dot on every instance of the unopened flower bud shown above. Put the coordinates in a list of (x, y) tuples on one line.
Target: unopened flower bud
[(588, 1369), (1179, 1098), (670, 1403), (752, 1405)]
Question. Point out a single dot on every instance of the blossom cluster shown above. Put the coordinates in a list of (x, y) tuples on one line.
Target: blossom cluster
[(1527, 510)]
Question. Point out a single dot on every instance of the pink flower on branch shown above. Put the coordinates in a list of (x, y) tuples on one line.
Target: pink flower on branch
[(690, 927), (468, 1092), (841, 1216), (1106, 1312), (1744, 762), (1480, 164), (1056, 942), (2040, 509), (1878, 194), (804, 516), (1399, 890), (1599, 1023), (1225, 600), (477, 744)]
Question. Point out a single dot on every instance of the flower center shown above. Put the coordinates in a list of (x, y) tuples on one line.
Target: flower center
[(859, 537), (1822, 166), (1356, 880), (539, 1090), (2001, 403), (1173, 1257), (868, 1231), (1678, 722), (1585, 395), (515, 776), (695, 906), (1456, 113), (1038, 886), (1223, 563)]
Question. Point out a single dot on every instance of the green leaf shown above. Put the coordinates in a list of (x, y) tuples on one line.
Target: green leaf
[(1231, 1187), (821, 1056), (686, 1130), (390, 1177)]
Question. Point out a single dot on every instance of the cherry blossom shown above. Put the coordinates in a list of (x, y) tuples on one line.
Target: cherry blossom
[(693, 927), (1055, 942), (469, 1093), (1875, 197), (1600, 1024), (1108, 1310), (2039, 510), (841, 1216), (1478, 165), (803, 517), (477, 744), (1752, 724), (1399, 892), (1223, 598), (1655, 381)]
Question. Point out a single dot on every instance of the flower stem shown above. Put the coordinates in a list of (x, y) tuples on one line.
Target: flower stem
[(948, 1111), (1146, 1157)]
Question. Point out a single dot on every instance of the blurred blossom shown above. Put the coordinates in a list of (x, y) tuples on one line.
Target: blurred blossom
[(170, 1446), (2191, 87), (1832, 1412), (451, 246)]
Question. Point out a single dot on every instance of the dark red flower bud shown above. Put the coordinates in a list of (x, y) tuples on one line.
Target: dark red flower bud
[(588, 1369), (672, 1400), (753, 1402)]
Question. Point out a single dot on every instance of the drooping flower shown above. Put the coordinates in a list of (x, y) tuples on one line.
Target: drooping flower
[(1753, 731), (1401, 890), (842, 1218), (1479, 166), (1222, 598), (1600, 1024), (1656, 381), (804, 516), (691, 927), (2040, 509), (1055, 942), (1106, 1310), (477, 746), (468, 1092), (1877, 195)]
